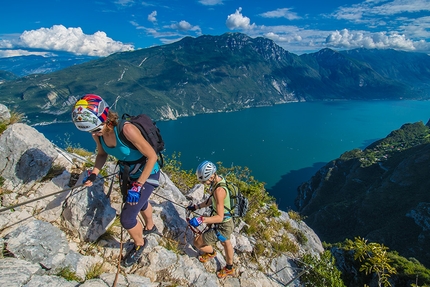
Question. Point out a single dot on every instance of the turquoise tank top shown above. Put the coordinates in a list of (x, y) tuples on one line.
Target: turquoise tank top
[(123, 153)]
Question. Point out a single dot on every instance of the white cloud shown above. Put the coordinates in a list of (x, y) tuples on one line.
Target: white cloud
[(417, 28), (6, 44), (152, 16), (184, 26), (73, 40), (19, 52), (146, 4), (364, 12), (401, 6), (211, 2), (237, 20), (281, 13), (283, 38), (381, 40), (124, 2)]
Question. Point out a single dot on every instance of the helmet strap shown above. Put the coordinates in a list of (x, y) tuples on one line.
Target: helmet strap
[(213, 180)]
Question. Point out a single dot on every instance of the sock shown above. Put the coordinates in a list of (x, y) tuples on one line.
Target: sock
[(229, 266)]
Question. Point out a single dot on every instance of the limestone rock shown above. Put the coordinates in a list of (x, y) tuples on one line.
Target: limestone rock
[(27, 156)]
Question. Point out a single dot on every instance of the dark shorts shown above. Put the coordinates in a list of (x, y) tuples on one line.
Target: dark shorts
[(129, 212), (210, 237)]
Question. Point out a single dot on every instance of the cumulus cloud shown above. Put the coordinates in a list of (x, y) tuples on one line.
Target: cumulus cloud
[(283, 38), (152, 16), (281, 13), (381, 40), (184, 26), (237, 20), (73, 40), (211, 2)]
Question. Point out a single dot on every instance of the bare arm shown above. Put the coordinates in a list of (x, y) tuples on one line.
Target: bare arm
[(133, 134), (100, 159), (219, 195)]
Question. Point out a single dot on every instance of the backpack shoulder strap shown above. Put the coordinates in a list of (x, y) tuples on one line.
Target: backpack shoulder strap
[(121, 135)]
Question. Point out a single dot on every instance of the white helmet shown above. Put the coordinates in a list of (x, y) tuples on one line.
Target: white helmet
[(90, 112), (205, 170)]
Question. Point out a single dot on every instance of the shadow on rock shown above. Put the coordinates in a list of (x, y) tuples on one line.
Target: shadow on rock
[(33, 165)]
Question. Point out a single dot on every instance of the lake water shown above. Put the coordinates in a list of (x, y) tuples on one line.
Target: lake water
[(283, 145)]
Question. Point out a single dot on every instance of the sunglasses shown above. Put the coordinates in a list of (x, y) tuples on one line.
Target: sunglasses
[(96, 130)]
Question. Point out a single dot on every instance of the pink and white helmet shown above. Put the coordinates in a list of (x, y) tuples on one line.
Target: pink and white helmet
[(90, 112)]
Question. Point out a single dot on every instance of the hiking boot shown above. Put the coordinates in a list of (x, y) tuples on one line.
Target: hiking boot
[(207, 256), (225, 272), (134, 255), (152, 230)]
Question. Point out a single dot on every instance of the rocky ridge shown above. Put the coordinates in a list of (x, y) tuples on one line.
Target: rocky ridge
[(379, 193), (57, 226)]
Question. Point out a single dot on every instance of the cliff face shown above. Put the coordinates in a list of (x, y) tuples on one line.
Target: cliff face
[(380, 193), (56, 227)]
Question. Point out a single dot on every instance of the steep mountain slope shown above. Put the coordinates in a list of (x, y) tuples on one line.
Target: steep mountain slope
[(413, 68), (380, 193), (208, 74), (349, 78)]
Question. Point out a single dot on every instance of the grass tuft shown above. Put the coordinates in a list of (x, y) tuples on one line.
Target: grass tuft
[(94, 271), (69, 275)]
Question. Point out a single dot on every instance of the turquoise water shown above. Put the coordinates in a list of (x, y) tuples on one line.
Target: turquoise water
[(283, 145)]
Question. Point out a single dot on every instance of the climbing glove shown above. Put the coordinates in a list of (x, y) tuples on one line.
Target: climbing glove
[(191, 207), (196, 221), (133, 194), (90, 176)]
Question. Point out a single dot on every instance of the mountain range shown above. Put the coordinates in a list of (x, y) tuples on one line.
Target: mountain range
[(218, 74)]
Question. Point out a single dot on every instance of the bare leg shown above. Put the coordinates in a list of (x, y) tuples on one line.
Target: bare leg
[(136, 233), (199, 244), (147, 217), (228, 248)]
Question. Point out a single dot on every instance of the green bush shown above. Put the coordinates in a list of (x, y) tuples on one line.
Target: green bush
[(409, 270), (321, 271), (184, 180)]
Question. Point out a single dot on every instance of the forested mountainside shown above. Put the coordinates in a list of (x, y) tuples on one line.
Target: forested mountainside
[(380, 193), (218, 74)]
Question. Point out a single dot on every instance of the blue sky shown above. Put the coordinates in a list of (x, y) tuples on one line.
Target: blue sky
[(103, 27)]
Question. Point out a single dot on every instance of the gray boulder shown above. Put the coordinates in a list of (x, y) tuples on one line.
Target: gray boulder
[(51, 281), (87, 212), (38, 242), (16, 272), (27, 156)]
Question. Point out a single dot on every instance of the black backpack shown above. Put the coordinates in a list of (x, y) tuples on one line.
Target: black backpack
[(149, 131), (238, 202)]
